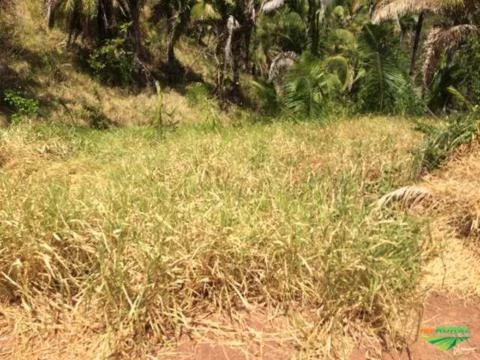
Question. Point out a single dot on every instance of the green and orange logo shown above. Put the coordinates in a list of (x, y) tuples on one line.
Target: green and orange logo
[(445, 337)]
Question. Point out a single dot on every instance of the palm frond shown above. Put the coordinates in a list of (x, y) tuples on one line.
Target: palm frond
[(398, 8), (440, 40), (272, 5), (385, 86), (280, 64), (407, 196), (340, 66)]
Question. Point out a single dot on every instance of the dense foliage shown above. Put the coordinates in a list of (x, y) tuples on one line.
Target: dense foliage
[(303, 57)]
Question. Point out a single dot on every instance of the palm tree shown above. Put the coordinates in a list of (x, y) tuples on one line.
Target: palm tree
[(98, 20), (177, 14), (233, 24), (441, 40), (458, 16)]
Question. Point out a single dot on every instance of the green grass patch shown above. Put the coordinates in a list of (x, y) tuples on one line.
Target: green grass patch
[(442, 139)]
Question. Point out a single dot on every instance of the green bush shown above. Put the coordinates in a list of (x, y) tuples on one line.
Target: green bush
[(197, 93), (22, 106), (284, 29), (469, 70), (462, 72), (113, 63), (309, 87), (385, 86), (266, 97), (441, 141)]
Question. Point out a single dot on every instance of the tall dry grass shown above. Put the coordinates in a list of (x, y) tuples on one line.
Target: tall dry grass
[(145, 233)]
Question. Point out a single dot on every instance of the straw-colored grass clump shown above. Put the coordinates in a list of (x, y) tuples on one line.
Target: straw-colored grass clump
[(144, 234)]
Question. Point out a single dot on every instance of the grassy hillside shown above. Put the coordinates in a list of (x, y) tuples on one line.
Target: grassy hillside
[(130, 215), (36, 66)]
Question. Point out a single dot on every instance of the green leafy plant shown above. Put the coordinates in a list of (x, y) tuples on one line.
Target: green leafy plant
[(460, 99), (309, 87), (113, 62), (469, 69), (22, 106), (162, 119), (197, 93), (267, 99), (441, 141), (385, 86), (457, 74)]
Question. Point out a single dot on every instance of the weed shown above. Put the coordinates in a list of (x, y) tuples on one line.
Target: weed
[(96, 118), (23, 107), (162, 119), (441, 141), (196, 94)]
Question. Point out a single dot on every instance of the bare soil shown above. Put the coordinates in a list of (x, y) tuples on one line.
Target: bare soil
[(442, 310), (439, 310)]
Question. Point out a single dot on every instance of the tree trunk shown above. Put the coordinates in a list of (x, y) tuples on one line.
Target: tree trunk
[(221, 61), (236, 61), (416, 41), (171, 59), (51, 5), (136, 31), (105, 20), (175, 28), (313, 26), (248, 38)]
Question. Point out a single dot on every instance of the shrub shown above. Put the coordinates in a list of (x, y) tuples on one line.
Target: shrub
[(441, 141), (385, 86), (197, 93), (309, 87), (96, 118), (461, 72), (469, 70), (266, 97), (22, 106), (113, 63)]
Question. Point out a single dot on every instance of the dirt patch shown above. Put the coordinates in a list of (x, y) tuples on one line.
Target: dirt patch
[(248, 336), (253, 336), (442, 310), (271, 342)]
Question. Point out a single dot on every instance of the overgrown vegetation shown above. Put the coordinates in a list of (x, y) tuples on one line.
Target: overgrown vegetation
[(158, 233), (441, 140), (164, 160), (266, 40), (22, 107)]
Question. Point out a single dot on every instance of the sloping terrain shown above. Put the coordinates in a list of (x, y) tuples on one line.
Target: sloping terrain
[(219, 237), (452, 279), (85, 211)]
